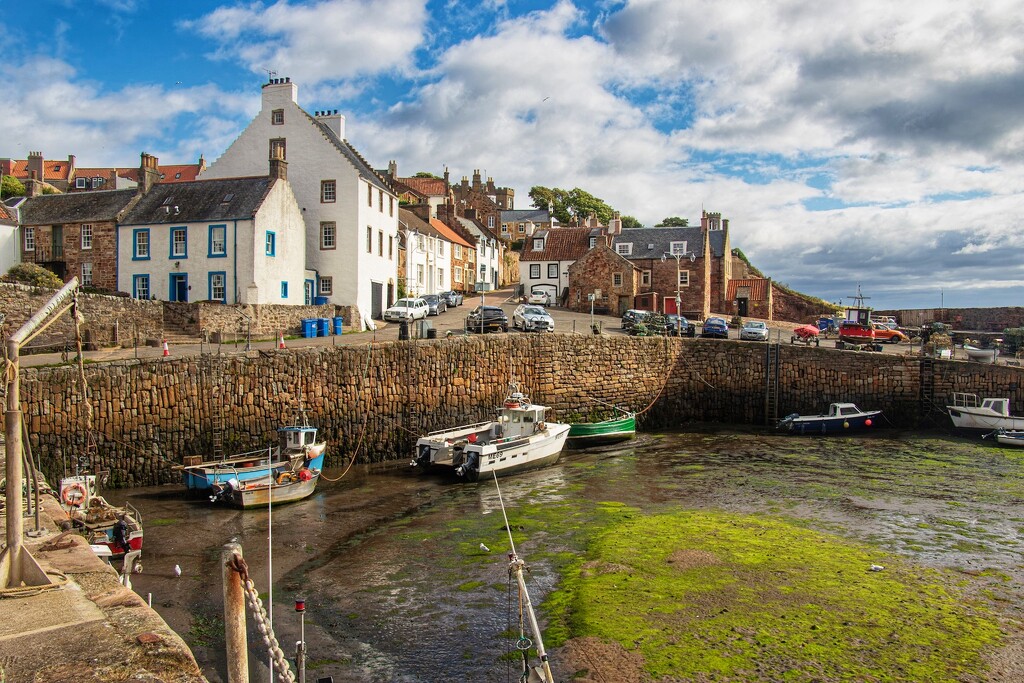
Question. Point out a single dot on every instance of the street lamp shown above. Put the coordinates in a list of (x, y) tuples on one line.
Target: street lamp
[(677, 257)]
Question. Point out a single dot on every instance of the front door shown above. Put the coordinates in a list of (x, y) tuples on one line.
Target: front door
[(179, 287), (308, 293), (741, 305), (376, 300)]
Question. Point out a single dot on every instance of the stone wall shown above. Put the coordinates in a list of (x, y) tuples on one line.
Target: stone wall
[(374, 400), (260, 321), (980, 319)]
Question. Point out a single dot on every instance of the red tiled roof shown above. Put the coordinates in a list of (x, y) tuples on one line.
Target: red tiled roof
[(758, 288), (560, 244), (430, 187), (7, 215), (448, 233), (179, 173), (52, 170)]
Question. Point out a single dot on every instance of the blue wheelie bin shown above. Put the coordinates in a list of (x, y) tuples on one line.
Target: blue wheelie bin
[(324, 327), (308, 327), (338, 323)]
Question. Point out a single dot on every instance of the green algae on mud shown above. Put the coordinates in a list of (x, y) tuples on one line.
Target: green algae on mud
[(738, 597)]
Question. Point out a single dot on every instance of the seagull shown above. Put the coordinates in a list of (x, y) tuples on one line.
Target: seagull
[(484, 548), (546, 98), (177, 570), (877, 567)]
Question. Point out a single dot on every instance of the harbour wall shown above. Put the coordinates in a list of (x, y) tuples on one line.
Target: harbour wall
[(371, 401)]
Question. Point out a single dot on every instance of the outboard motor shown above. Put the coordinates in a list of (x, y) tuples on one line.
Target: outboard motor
[(468, 469), (422, 456), (786, 420)]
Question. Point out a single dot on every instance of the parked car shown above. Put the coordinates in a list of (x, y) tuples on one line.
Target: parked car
[(452, 298), (484, 318), (715, 327), (884, 333), (679, 326), (436, 304), (409, 308), (632, 317), (528, 317), (754, 330), (539, 298)]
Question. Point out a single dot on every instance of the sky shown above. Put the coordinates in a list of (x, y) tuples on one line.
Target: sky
[(866, 144)]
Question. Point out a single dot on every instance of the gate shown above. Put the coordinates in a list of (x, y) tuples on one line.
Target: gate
[(376, 300)]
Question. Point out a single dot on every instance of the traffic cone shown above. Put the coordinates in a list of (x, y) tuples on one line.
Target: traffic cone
[(167, 351), (280, 340)]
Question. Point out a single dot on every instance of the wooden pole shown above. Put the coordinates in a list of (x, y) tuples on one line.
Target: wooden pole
[(234, 617)]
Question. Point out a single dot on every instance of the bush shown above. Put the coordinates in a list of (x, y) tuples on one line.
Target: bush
[(35, 275)]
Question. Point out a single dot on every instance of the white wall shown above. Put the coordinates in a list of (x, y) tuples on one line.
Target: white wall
[(9, 251)]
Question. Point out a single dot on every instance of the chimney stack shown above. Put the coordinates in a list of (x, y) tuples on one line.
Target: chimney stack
[(278, 166), (35, 165), (149, 173)]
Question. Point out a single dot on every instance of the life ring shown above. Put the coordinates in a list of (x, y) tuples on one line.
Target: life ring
[(74, 494), (511, 404)]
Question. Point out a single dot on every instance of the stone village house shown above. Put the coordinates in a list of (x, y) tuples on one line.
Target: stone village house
[(350, 212)]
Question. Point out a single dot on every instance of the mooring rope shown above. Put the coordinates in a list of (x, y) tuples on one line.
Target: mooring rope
[(266, 629), (362, 431)]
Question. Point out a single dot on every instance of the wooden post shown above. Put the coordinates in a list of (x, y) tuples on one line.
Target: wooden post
[(234, 617)]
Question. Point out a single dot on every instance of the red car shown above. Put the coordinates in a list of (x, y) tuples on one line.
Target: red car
[(888, 334)]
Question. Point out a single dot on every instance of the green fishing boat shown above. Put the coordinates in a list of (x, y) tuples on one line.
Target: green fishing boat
[(612, 430)]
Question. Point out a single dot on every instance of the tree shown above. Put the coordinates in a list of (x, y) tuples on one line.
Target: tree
[(631, 222), (35, 275), (11, 187), (425, 174), (568, 205), (673, 222)]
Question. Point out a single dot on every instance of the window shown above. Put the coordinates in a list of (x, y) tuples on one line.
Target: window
[(504, 228), (271, 244), (328, 235), (86, 236), (457, 249), (419, 274), (534, 271), (538, 244), (440, 278), (86, 274), (326, 286), (218, 286), (684, 278), (284, 289), (458, 274), (616, 279), (140, 239), (140, 286), (490, 222), (391, 247), (80, 182), (328, 191), (369, 239), (522, 228), (553, 271), (369, 194), (380, 243), (391, 206), (380, 202), (645, 278), (482, 250), (624, 248), (277, 117), (277, 149), (179, 242), (677, 248), (218, 241), (30, 239), (98, 182), (440, 247)]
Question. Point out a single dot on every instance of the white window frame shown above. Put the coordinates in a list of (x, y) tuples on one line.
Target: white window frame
[(616, 279), (328, 235), (86, 274), (538, 244), (86, 236), (80, 183), (553, 267), (677, 248), (457, 248), (624, 248), (684, 278), (645, 278), (534, 271)]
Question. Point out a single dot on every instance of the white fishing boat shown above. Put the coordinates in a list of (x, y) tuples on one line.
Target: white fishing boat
[(518, 439), (970, 412), (981, 355), (1006, 437)]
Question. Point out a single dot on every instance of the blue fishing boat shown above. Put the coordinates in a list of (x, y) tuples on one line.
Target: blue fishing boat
[(297, 449), (841, 418)]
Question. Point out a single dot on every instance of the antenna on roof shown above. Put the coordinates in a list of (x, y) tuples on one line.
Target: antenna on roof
[(270, 73)]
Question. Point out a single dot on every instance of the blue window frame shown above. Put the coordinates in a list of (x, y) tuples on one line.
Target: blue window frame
[(179, 243), (284, 290), (218, 286), (140, 286), (271, 243), (140, 244), (218, 243)]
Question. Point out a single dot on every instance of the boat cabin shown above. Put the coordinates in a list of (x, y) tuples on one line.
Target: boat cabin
[(520, 418), (296, 438), (999, 406), (843, 410)]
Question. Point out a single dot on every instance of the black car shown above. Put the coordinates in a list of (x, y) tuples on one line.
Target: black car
[(679, 326), (484, 318)]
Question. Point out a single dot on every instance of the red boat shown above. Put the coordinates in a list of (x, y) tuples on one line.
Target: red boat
[(856, 327), (117, 529)]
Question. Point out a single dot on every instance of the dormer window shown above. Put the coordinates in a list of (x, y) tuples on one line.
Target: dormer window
[(538, 244), (80, 183), (677, 248), (624, 248), (593, 242)]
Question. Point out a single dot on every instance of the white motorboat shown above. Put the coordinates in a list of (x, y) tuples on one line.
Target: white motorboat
[(981, 355), (970, 412), (1008, 437), (519, 439)]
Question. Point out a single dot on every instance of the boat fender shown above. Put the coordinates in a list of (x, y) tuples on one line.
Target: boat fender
[(305, 475), (74, 494)]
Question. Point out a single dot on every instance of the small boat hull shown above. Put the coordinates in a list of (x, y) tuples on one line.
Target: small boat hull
[(842, 418), (260, 494), (1011, 438), (968, 412), (615, 430), (981, 355)]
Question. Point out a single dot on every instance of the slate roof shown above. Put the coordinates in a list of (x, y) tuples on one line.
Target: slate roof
[(560, 244), (524, 215), (75, 207), (651, 243), (414, 222), (200, 200), (350, 153)]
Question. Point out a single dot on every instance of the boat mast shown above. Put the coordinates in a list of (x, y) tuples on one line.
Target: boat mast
[(515, 566)]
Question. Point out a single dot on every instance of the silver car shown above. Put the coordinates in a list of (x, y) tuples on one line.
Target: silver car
[(436, 304), (452, 297), (754, 330), (530, 317)]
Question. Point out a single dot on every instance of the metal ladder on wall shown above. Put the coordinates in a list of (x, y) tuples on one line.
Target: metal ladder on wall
[(771, 382), (215, 371), (926, 397)]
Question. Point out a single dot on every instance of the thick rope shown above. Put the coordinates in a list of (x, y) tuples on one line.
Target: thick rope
[(362, 431), (266, 629)]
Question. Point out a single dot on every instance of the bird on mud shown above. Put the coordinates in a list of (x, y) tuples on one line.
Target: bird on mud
[(484, 548), (876, 568), (177, 571)]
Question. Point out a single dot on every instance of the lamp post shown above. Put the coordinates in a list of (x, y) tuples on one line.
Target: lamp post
[(677, 257)]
